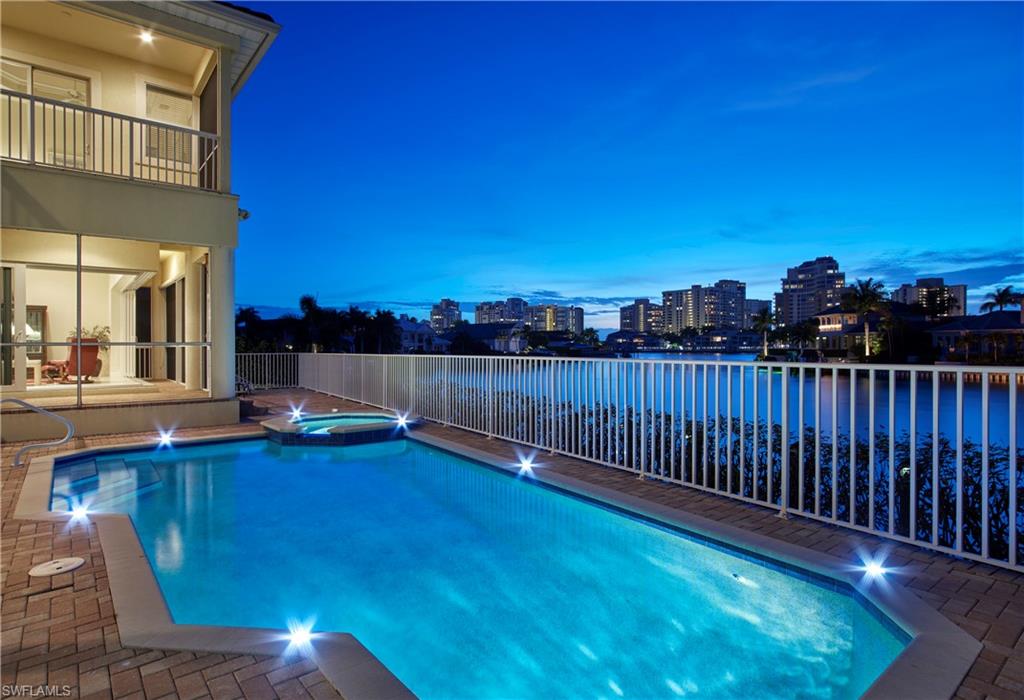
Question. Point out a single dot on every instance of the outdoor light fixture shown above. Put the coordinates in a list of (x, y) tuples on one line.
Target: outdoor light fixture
[(300, 637), (146, 36), (165, 437), (526, 463), (296, 411), (874, 569), (403, 419), (79, 512)]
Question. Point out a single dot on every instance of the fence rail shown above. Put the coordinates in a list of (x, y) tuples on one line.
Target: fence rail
[(929, 456), (268, 370), (74, 137)]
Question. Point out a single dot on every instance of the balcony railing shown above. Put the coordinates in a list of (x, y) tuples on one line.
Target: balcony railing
[(929, 456), (72, 137)]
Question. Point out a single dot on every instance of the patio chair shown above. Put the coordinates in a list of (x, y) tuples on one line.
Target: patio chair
[(69, 368)]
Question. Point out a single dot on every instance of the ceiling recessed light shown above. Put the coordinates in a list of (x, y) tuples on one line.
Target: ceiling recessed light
[(146, 36)]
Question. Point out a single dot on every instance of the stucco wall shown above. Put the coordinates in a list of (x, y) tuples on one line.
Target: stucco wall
[(115, 80)]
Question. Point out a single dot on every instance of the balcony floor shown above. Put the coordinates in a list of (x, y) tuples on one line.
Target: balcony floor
[(63, 630)]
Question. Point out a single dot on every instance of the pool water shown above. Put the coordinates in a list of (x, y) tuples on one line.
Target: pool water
[(469, 583), (320, 425)]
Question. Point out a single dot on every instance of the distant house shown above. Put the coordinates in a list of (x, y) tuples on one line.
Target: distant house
[(999, 335), (626, 341), (498, 337), (843, 331), (419, 336)]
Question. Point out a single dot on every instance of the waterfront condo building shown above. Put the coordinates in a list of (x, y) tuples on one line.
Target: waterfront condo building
[(642, 317), (752, 308), (512, 310), (939, 300), (119, 222), (551, 317), (444, 315), (810, 288), (720, 305)]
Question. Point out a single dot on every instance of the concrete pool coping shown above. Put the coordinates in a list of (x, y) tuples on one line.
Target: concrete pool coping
[(285, 431), (931, 666), (144, 620)]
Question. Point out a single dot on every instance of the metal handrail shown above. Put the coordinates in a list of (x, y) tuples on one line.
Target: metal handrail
[(42, 411), (106, 113)]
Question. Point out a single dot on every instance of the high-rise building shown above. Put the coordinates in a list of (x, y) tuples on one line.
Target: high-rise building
[(720, 305), (753, 307), (642, 316), (444, 315), (938, 298), (550, 317), (509, 311), (810, 288), (575, 320)]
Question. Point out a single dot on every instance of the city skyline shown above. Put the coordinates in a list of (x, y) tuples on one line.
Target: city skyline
[(633, 166)]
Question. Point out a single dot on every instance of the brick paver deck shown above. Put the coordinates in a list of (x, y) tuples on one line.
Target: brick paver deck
[(62, 631)]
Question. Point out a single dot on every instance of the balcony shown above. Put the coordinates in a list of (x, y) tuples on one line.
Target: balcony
[(54, 134)]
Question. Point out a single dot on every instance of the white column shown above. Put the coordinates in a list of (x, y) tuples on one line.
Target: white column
[(224, 120), (193, 308), (222, 322)]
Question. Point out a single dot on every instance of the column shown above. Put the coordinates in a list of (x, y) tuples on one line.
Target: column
[(193, 309), (222, 322)]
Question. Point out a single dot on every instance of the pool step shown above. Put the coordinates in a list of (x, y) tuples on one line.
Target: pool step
[(119, 479), (141, 475)]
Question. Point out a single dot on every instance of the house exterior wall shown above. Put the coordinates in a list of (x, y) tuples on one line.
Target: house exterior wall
[(111, 206), (114, 80)]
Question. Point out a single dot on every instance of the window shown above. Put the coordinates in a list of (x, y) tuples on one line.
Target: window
[(171, 108), (63, 130), (112, 320), (42, 82)]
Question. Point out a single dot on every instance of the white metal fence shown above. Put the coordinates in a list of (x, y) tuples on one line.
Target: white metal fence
[(64, 135), (268, 370), (924, 455)]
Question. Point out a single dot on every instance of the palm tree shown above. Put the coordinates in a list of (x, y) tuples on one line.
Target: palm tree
[(999, 299), (762, 323), (865, 297), (995, 341), (590, 337), (803, 333)]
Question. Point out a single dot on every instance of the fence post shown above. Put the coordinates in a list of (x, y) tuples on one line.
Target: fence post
[(784, 476), (552, 406), (489, 395)]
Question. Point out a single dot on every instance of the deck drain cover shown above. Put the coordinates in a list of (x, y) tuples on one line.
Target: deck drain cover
[(56, 566)]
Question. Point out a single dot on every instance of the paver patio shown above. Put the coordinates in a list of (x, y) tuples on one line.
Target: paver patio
[(62, 631)]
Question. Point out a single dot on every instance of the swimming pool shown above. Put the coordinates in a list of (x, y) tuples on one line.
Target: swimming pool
[(468, 583)]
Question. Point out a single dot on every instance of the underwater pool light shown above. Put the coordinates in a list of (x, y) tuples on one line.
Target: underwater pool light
[(165, 437), (403, 419)]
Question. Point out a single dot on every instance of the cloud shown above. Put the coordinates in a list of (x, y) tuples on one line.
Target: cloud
[(981, 269), (550, 296), (797, 92)]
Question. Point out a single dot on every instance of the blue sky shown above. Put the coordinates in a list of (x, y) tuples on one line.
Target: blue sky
[(391, 154)]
